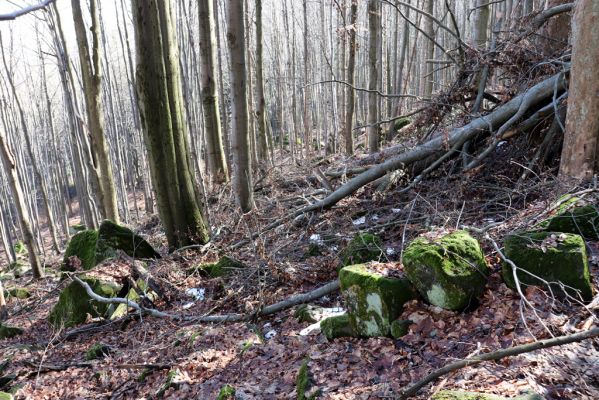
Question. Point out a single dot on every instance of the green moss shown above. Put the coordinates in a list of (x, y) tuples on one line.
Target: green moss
[(337, 326), (74, 229), (223, 267), (460, 395), (450, 272), (226, 392), (553, 257), (168, 382), (122, 309), (112, 237), (74, 303), (19, 293), (572, 217), (20, 248), (373, 300), (6, 396), (302, 382), (82, 245), (7, 332), (400, 328), (364, 247), (314, 250), (307, 313), (401, 123), (96, 351)]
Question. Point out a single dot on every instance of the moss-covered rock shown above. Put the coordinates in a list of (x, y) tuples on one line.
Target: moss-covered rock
[(373, 300), (460, 395), (226, 392), (74, 303), (553, 257), (449, 272), (223, 267), (337, 326), (6, 396), (7, 332), (113, 237), (83, 246), (364, 247), (92, 247), (400, 327), (18, 293), (96, 351), (400, 123), (575, 216), (302, 382), (307, 313)]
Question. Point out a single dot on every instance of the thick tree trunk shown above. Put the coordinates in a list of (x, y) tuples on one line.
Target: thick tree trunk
[(217, 163), (91, 71), (351, 80), (581, 142), (240, 140), (374, 28), (159, 90)]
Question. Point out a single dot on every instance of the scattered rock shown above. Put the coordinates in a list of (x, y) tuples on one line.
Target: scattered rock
[(223, 267), (307, 313), (7, 332), (337, 326), (553, 257), (92, 247), (96, 351), (74, 304), (575, 216), (449, 272), (364, 247), (373, 300)]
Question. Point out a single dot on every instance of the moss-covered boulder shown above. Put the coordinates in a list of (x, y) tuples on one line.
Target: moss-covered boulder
[(7, 332), (575, 216), (551, 256), (460, 395), (364, 247), (92, 247), (372, 299), (223, 267), (74, 304), (83, 246), (18, 293), (400, 123), (6, 396), (113, 237), (337, 326), (308, 313), (449, 272)]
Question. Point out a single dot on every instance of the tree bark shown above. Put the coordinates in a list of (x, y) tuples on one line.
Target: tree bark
[(262, 142), (91, 71), (374, 28), (217, 163), (240, 140), (581, 142), (159, 90), (351, 80)]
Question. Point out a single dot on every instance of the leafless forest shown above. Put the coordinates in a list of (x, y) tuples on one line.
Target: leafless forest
[(293, 199)]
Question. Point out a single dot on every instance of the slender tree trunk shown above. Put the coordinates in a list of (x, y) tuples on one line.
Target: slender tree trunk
[(351, 80), (262, 142), (374, 28), (210, 102), (91, 71), (240, 140)]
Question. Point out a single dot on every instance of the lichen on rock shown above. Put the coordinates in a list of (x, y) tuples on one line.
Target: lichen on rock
[(74, 304), (449, 272), (373, 300), (551, 256), (364, 247), (83, 246), (336, 327)]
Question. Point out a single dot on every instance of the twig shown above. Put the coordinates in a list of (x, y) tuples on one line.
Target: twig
[(497, 355), (25, 10)]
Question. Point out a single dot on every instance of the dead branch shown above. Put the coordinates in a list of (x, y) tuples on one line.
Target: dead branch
[(274, 308), (25, 10), (497, 355)]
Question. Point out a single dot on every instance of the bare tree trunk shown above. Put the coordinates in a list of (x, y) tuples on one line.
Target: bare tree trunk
[(262, 142), (581, 142), (240, 141), (351, 80), (217, 163), (159, 88), (374, 28), (91, 71)]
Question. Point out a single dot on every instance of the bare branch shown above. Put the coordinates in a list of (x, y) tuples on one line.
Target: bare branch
[(26, 10)]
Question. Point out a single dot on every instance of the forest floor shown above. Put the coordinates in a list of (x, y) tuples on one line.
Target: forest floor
[(261, 360)]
